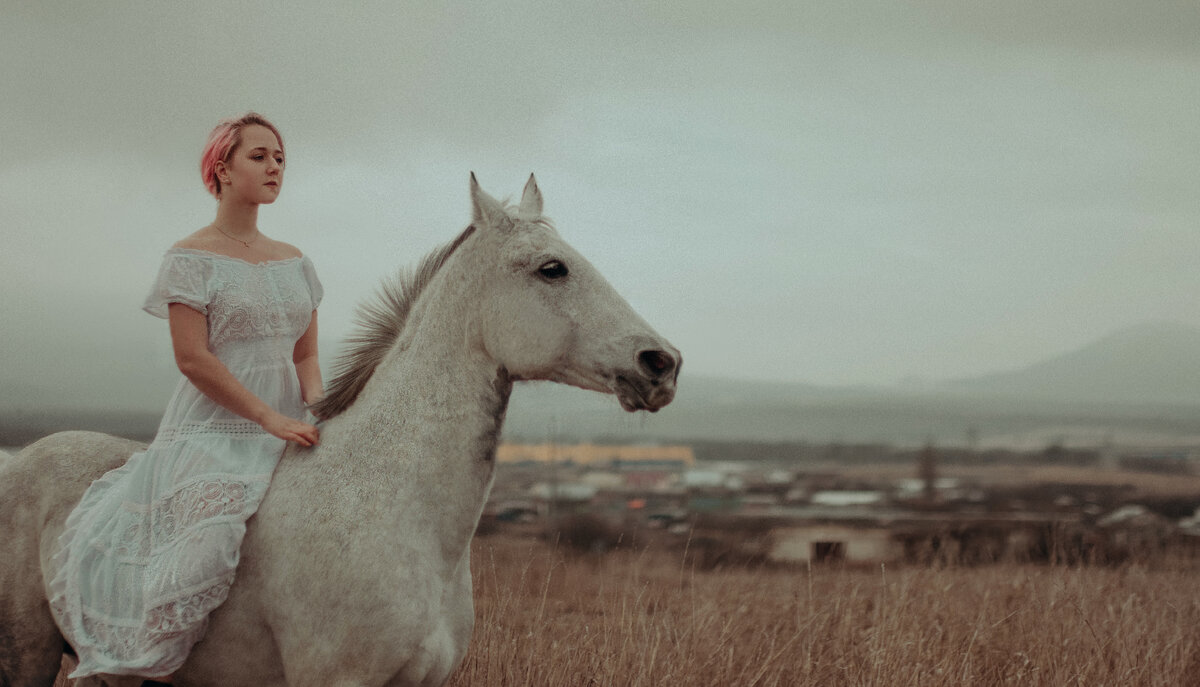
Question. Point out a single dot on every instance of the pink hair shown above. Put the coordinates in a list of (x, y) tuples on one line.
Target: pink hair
[(222, 143)]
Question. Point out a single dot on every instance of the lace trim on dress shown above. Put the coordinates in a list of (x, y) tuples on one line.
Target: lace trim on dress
[(195, 503), (182, 621), (175, 617), (167, 518), (224, 428)]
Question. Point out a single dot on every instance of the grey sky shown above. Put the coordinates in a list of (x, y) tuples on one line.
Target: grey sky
[(830, 192)]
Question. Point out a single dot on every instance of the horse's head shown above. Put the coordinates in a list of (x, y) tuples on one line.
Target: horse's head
[(546, 313), (513, 291)]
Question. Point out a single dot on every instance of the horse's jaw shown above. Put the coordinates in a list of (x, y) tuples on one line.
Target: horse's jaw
[(636, 394), (648, 383)]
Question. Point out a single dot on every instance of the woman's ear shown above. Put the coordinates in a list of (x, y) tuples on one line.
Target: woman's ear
[(222, 171)]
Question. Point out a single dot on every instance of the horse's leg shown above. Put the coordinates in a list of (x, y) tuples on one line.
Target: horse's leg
[(37, 489), (31, 648)]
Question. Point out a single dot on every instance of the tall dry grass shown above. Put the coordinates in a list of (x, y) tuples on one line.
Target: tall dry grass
[(547, 616)]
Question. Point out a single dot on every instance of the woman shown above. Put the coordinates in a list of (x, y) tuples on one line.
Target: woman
[(151, 548)]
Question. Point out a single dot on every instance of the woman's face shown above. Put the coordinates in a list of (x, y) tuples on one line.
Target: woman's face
[(254, 171)]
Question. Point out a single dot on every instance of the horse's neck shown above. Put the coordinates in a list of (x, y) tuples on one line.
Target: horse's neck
[(424, 431)]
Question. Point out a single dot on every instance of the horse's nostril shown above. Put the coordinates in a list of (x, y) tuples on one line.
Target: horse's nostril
[(656, 363)]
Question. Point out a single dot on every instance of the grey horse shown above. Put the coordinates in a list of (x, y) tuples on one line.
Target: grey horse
[(356, 570)]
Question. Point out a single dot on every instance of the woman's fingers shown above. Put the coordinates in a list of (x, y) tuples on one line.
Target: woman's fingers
[(290, 429), (307, 435)]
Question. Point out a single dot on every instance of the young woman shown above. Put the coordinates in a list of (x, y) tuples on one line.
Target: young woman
[(152, 547)]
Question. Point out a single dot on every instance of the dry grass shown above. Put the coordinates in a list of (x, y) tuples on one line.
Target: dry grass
[(550, 617), (546, 617)]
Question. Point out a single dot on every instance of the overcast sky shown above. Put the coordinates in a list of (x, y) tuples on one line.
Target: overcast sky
[(827, 192)]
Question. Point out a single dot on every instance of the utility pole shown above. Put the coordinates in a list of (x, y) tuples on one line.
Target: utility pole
[(552, 459), (927, 471)]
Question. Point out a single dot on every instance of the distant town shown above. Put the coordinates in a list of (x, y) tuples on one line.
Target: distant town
[(794, 502), (861, 505)]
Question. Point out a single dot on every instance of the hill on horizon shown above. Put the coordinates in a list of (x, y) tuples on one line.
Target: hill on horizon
[(1140, 384), (1150, 363)]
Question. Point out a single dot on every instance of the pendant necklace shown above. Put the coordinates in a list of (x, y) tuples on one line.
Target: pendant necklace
[(244, 243)]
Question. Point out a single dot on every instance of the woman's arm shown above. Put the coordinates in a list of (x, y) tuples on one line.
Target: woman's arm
[(189, 337), (308, 367)]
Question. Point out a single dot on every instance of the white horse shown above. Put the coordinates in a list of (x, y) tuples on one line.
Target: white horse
[(356, 569)]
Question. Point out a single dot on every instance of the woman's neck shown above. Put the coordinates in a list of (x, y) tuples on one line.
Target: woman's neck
[(238, 219)]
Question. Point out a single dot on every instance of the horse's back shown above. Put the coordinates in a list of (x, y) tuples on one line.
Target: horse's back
[(38, 488), (49, 476)]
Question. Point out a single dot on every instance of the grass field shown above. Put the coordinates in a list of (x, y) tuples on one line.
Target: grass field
[(547, 616)]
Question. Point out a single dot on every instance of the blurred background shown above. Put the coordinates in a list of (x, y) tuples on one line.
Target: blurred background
[(928, 240)]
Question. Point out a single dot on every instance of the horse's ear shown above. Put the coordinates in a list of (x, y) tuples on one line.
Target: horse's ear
[(531, 201), (486, 211)]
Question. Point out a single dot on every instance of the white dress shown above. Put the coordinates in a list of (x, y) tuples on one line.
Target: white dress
[(152, 546)]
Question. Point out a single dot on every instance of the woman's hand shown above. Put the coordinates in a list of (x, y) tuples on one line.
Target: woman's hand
[(189, 335), (288, 429)]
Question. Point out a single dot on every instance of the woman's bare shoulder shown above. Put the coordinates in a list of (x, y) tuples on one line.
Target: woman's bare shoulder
[(283, 250), (264, 249), (201, 239)]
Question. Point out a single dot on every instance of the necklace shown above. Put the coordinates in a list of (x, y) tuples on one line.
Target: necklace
[(244, 243)]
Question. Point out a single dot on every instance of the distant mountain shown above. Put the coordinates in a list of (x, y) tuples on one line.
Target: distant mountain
[(1151, 363), (1140, 385)]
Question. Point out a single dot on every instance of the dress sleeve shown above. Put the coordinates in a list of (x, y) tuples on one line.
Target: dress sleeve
[(182, 278), (315, 290)]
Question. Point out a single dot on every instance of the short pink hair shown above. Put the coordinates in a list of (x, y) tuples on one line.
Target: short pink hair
[(222, 143)]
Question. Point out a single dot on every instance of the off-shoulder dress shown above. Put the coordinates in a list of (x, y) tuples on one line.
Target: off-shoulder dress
[(152, 547)]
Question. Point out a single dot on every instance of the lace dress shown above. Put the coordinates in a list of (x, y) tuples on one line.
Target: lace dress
[(152, 547)]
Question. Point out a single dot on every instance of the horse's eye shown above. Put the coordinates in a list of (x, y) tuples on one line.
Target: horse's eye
[(553, 270)]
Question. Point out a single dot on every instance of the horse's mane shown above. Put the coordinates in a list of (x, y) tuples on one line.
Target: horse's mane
[(379, 322)]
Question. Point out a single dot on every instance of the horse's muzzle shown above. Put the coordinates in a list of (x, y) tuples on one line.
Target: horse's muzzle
[(651, 385)]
